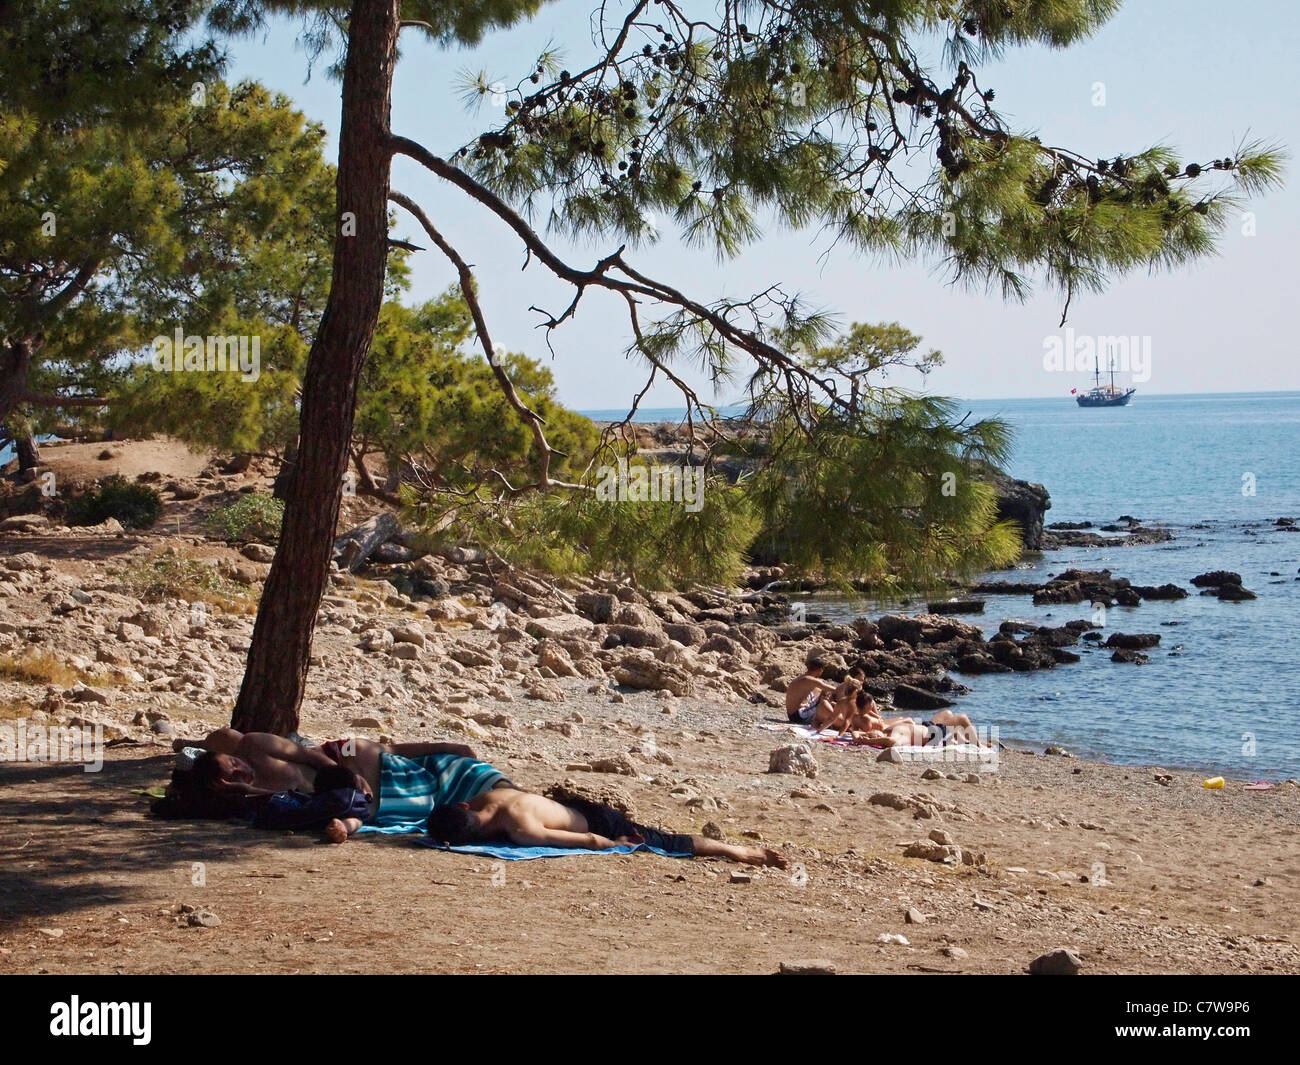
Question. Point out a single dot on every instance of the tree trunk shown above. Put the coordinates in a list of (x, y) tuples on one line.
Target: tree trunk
[(15, 365), (29, 455), (280, 654), (353, 548)]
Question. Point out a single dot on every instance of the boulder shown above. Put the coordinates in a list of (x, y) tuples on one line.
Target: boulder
[(794, 758), (1216, 578), (1060, 962), (907, 697)]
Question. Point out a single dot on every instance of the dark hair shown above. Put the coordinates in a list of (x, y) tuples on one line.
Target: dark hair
[(453, 825), (864, 697), (858, 667), (334, 776), (815, 662), (195, 795)]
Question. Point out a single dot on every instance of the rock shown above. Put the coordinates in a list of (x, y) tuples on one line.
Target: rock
[(1136, 641), (1123, 654), (377, 640), (1216, 578), (554, 657), (956, 606), (365, 722), (258, 552), (560, 627), (412, 634), (25, 523), (1163, 591), (597, 606), (741, 878), (1060, 962), (810, 967), (645, 672), (1022, 502), (1234, 593), (893, 937), (938, 835), (890, 754), (545, 690), (203, 919), (620, 764), (711, 830), (406, 652), (947, 854), (794, 758), (931, 774), (954, 952), (907, 697), (914, 916), (468, 655)]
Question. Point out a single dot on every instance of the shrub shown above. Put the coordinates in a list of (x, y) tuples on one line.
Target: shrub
[(136, 506), (254, 517)]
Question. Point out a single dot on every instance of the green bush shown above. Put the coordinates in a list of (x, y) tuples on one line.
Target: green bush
[(136, 506), (255, 517)]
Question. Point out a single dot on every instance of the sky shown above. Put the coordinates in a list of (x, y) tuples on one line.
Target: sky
[(1198, 75)]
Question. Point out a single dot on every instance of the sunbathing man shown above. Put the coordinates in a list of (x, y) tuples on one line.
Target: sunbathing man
[(522, 817), (807, 697), (408, 779)]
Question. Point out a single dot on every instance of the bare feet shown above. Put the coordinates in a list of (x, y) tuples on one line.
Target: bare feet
[(336, 832)]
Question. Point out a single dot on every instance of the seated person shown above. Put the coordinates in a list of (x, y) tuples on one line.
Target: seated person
[(522, 817), (807, 696), (404, 781)]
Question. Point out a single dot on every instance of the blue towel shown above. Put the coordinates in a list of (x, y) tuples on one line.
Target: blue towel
[(512, 853), (409, 788)]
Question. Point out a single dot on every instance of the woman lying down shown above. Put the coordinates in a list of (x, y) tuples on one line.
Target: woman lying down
[(440, 787)]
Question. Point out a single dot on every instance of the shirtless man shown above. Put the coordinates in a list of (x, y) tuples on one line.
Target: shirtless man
[(808, 697), (259, 763), (522, 817)]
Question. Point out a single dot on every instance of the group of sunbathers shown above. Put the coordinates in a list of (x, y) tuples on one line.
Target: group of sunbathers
[(848, 709), (439, 788)]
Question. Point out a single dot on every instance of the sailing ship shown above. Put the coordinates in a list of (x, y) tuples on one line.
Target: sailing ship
[(1103, 395)]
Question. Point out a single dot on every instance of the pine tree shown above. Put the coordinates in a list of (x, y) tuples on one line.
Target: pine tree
[(720, 115)]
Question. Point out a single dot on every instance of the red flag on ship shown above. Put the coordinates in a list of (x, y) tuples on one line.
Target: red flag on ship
[(1073, 391)]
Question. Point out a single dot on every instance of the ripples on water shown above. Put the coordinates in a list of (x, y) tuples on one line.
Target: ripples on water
[(1221, 692)]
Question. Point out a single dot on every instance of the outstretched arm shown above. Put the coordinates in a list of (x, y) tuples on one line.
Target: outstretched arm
[(417, 750), (285, 750), (535, 834)]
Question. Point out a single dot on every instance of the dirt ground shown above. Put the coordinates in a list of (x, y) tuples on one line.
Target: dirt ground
[(1135, 869), (1179, 879)]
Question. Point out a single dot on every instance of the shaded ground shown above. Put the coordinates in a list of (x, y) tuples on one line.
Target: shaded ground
[(1179, 865)]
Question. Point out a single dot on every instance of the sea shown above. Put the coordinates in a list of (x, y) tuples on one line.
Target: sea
[(1222, 691)]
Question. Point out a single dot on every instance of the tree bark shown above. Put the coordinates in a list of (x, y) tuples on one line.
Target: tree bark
[(353, 548), (29, 455), (15, 365), (280, 653)]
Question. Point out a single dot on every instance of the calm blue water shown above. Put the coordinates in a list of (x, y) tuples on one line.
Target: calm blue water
[(1225, 673), (1221, 692)]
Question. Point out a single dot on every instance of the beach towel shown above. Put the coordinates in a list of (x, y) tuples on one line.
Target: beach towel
[(512, 853), (409, 788), (952, 752)]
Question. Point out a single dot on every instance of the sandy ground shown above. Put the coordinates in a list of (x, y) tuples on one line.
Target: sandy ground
[(1178, 879), (1136, 876)]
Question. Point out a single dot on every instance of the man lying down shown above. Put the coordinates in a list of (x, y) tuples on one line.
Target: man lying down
[(442, 786)]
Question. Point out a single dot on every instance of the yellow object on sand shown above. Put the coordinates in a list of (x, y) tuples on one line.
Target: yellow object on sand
[(1214, 782)]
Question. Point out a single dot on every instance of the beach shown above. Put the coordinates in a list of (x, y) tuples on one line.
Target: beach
[(1134, 867)]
